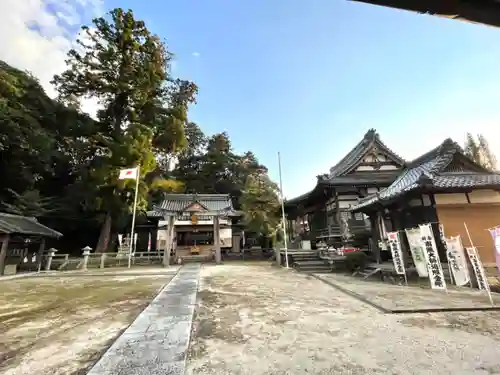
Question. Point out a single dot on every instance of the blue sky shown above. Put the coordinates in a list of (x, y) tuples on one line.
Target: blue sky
[(309, 78)]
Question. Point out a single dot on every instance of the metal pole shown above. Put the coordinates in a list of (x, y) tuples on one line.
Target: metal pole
[(133, 218), (283, 211)]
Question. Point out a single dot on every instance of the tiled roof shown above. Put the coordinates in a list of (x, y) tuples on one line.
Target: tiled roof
[(370, 139), (179, 202), (16, 224), (429, 170), (454, 179), (338, 177)]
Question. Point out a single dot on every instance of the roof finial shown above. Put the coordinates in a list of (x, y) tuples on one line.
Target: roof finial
[(370, 134)]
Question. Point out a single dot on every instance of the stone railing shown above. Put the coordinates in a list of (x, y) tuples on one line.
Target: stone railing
[(99, 260)]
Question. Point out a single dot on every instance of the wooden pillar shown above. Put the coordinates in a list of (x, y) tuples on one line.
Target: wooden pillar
[(375, 225), (39, 255), (3, 252), (154, 238), (218, 256)]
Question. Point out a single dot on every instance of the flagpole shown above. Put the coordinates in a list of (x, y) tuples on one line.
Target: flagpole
[(133, 217), (283, 212)]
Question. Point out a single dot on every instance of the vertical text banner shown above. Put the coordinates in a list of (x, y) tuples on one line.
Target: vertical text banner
[(417, 251), (397, 254), (458, 263), (495, 233), (436, 275), (478, 268)]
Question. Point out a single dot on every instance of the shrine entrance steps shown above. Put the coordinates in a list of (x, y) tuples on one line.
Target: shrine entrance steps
[(195, 258), (308, 261)]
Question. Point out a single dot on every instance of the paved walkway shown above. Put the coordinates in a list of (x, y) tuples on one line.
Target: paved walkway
[(157, 341)]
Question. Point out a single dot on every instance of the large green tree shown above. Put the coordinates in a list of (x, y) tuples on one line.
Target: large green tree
[(261, 204), (210, 165), (123, 66)]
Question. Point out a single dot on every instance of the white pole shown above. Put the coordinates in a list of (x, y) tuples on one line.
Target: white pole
[(483, 274), (283, 212), (133, 217)]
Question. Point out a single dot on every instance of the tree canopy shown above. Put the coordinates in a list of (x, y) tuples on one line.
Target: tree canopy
[(60, 165), (478, 149)]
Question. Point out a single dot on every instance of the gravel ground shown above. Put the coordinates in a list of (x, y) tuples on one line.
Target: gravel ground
[(394, 297), (60, 326), (261, 320)]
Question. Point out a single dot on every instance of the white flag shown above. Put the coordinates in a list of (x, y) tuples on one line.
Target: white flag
[(128, 174)]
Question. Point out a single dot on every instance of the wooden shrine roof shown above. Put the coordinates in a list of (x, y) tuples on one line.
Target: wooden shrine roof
[(343, 173), (349, 162), (202, 203), (443, 168), (476, 11), (24, 225)]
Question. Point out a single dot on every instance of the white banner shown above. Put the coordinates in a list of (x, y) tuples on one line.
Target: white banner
[(397, 254), (417, 251), (478, 268), (435, 270), (457, 261)]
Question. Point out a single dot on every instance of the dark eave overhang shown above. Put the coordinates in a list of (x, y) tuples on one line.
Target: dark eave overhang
[(485, 12)]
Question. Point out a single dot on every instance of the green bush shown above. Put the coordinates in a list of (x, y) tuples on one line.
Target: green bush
[(356, 260)]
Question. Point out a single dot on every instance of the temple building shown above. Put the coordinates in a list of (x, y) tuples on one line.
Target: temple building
[(195, 225), (324, 214), (441, 186)]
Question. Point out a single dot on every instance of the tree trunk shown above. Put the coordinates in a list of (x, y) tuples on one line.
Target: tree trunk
[(103, 242)]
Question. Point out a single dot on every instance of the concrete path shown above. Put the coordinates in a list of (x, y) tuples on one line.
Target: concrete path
[(157, 341)]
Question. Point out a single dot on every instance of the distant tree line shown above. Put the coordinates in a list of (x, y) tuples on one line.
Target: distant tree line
[(60, 165)]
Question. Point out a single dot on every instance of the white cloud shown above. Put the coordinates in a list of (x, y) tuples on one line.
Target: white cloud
[(35, 35), (195, 54)]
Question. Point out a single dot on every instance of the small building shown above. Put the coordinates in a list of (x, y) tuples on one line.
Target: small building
[(441, 186), (323, 214), (195, 218), (22, 239)]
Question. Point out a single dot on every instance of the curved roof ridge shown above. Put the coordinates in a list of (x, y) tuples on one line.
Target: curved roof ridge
[(446, 146), (370, 138)]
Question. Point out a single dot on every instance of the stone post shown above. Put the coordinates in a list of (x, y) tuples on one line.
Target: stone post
[(103, 259), (218, 256), (4, 244), (39, 255), (86, 252), (170, 238), (50, 255)]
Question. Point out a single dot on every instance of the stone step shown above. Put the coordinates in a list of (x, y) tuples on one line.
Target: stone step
[(310, 266), (315, 270), (317, 262)]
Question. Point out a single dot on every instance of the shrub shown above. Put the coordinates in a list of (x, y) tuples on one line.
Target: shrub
[(356, 260)]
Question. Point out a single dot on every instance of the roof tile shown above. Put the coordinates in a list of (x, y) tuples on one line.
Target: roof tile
[(428, 170), (16, 224), (179, 202)]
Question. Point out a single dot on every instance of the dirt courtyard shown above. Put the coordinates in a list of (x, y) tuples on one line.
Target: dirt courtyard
[(262, 320), (61, 325)]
